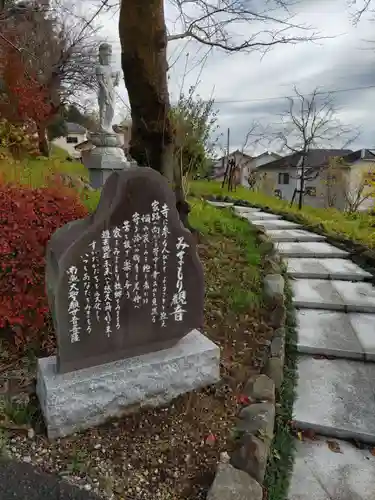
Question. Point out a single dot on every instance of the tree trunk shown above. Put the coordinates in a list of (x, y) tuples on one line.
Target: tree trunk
[(143, 39), (42, 140)]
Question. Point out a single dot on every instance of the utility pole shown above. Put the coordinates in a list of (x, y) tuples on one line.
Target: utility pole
[(227, 169)]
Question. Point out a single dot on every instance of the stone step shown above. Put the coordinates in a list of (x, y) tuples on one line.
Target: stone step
[(284, 235), (338, 334), (245, 210), (258, 215), (319, 249), (336, 268), (321, 474), (336, 398), (220, 204), (275, 224), (335, 295)]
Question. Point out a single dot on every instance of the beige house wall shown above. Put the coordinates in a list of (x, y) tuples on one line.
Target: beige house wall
[(327, 193)]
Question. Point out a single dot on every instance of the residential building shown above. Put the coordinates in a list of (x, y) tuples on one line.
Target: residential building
[(255, 163), (219, 167), (323, 187), (75, 134), (244, 165)]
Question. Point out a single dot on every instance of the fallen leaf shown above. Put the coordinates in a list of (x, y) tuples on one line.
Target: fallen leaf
[(242, 399), (299, 435), (372, 451), (334, 446), (310, 434), (210, 439)]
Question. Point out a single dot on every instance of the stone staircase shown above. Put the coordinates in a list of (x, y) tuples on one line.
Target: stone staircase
[(336, 367)]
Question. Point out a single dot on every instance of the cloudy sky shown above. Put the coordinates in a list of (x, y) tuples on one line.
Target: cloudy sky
[(247, 87)]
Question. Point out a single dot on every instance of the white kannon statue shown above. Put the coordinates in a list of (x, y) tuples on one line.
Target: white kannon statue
[(107, 80)]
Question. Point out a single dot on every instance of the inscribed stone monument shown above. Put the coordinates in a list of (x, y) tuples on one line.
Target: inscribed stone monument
[(126, 291)]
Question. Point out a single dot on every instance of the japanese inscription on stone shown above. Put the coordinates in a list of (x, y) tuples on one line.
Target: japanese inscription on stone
[(132, 282)]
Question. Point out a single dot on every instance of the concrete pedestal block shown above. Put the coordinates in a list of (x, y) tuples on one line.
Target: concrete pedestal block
[(81, 399)]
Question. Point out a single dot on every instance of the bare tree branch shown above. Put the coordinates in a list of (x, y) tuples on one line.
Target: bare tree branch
[(360, 8), (310, 122), (219, 24)]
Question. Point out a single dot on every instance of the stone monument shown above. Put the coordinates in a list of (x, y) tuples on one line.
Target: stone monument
[(108, 154), (126, 290)]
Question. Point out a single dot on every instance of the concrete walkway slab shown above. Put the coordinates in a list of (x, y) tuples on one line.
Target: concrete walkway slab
[(275, 224), (220, 204), (245, 210), (320, 474), (261, 216), (342, 269), (364, 327), (309, 249), (336, 295), (293, 235), (358, 297), (336, 398), (316, 294), (329, 333)]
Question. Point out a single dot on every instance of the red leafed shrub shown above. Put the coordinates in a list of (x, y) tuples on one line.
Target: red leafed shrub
[(28, 217)]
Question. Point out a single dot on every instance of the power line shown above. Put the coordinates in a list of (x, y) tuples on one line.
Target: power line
[(260, 99)]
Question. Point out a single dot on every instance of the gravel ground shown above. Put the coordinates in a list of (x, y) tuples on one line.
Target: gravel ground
[(166, 453)]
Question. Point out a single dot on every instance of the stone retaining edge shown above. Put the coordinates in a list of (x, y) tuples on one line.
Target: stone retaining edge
[(241, 473)]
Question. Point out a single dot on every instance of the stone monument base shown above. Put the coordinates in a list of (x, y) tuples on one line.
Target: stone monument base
[(102, 161), (75, 401)]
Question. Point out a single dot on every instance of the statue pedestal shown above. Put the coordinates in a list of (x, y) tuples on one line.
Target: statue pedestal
[(106, 157)]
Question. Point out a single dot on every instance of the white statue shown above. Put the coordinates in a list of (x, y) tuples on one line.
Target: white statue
[(107, 80)]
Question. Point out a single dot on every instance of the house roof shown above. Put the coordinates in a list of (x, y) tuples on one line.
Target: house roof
[(237, 151), (267, 153), (84, 146), (364, 154), (315, 158), (75, 128)]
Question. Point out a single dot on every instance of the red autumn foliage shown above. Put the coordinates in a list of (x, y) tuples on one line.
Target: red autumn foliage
[(27, 98), (28, 217)]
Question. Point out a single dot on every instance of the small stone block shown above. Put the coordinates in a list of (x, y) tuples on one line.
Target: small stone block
[(273, 285), (251, 456), (258, 419), (274, 369), (77, 400), (234, 484), (260, 388)]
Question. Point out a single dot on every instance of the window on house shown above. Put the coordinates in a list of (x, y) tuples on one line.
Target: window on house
[(72, 140), (283, 178)]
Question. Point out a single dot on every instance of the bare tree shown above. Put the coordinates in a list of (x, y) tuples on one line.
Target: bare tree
[(144, 39), (310, 121)]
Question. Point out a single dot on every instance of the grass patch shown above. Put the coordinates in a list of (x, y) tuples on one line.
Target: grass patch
[(281, 459), (239, 241), (358, 227), (34, 172)]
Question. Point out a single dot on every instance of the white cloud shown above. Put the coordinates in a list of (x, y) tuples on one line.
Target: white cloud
[(332, 63)]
